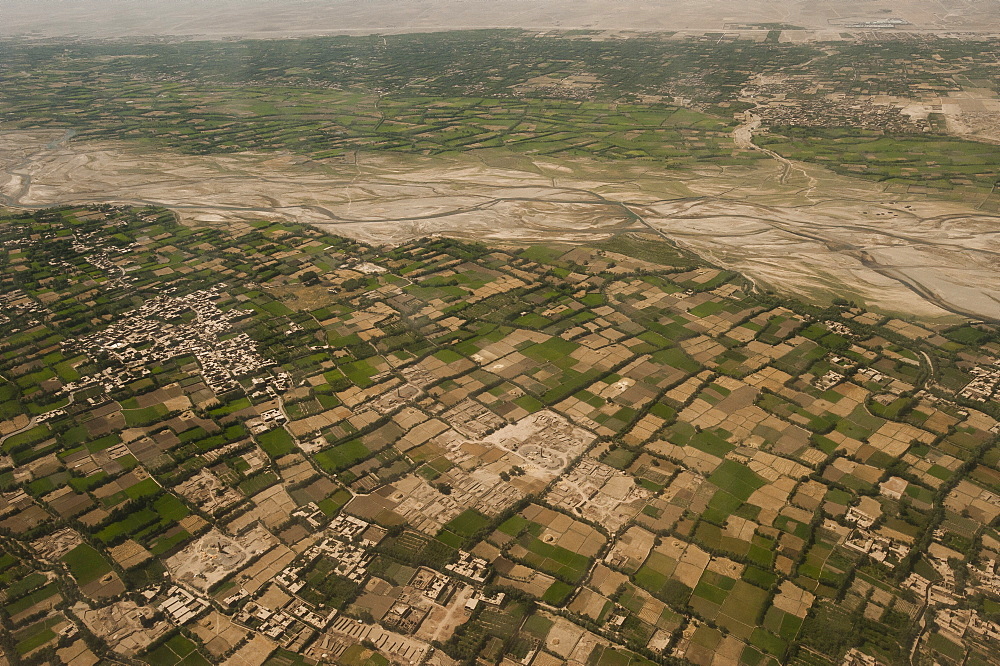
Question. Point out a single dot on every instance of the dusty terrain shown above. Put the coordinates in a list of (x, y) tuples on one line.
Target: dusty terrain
[(798, 228), (261, 18)]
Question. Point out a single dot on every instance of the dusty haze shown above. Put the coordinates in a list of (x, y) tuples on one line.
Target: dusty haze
[(264, 18)]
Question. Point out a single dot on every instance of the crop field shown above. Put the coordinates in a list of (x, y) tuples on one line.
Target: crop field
[(336, 124), (255, 484), (23, 586), (146, 523), (525, 93), (325, 587), (463, 526), (143, 488), (488, 624), (758, 507), (343, 455), (737, 607), (36, 635), (86, 564), (29, 600), (940, 162), (559, 562), (607, 656), (276, 442), (176, 651), (735, 479)]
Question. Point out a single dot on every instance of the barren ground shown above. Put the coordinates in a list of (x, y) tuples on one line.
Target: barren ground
[(796, 227)]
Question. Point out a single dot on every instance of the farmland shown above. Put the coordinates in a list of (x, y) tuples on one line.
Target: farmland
[(667, 491), (523, 389)]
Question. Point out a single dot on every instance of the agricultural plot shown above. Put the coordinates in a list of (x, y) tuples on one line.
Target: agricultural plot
[(86, 564), (721, 495), (177, 650), (463, 527)]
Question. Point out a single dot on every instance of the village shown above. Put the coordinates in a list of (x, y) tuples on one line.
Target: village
[(436, 454)]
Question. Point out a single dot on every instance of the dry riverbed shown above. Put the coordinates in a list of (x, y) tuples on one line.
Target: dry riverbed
[(797, 228)]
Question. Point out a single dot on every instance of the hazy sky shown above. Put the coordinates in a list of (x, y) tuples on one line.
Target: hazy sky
[(259, 18)]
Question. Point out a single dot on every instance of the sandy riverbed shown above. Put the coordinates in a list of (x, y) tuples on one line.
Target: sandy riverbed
[(815, 234)]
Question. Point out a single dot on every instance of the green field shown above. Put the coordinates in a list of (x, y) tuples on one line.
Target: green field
[(593, 335), (463, 526), (176, 651), (36, 635), (257, 483), (555, 560), (86, 564), (736, 479), (276, 442), (31, 599), (342, 456)]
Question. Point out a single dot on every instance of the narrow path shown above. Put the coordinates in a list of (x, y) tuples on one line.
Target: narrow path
[(931, 369), (923, 625), (32, 422)]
